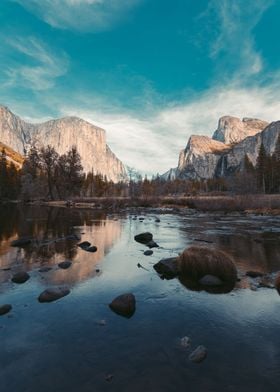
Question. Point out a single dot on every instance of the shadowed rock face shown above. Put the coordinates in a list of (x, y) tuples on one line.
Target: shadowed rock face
[(62, 134), (224, 153)]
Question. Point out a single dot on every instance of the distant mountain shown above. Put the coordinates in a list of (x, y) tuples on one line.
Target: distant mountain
[(62, 134), (224, 153)]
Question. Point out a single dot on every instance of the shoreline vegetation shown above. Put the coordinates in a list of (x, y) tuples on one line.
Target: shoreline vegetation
[(255, 203)]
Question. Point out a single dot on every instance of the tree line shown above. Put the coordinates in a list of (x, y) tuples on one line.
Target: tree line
[(47, 175)]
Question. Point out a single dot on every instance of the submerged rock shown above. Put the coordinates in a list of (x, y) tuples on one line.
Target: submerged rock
[(185, 342), (148, 252), (50, 295), (167, 268), (254, 274), (157, 220), (20, 277), (21, 242), (144, 238), (198, 355), (65, 264), (124, 305), (4, 309), (210, 280)]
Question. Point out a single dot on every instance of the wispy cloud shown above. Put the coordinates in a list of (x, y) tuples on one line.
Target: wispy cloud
[(151, 142), (233, 23), (81, 15), (37, 66)]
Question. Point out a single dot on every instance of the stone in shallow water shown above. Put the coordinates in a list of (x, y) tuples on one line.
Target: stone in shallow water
[(148, 252), (4, 309), (50, 295), (65, 264), (124, 305), (198, 355), (20, 277), (157, 220), (210, 280), (168, 268), (144, 238), (84, 245)]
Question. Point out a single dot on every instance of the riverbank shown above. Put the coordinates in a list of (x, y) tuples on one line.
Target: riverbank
[(257, 204)]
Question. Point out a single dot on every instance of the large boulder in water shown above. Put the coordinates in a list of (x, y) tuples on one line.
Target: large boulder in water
[(196, 262), (124, 305), (144, 238), (51, 295)]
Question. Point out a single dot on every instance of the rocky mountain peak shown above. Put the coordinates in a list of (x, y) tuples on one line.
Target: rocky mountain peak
[(62, 134), (232, 130)]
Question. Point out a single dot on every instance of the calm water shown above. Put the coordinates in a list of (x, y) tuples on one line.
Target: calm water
[(63, 346)]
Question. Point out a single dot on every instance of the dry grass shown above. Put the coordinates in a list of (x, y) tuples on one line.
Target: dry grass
[(196, 262)]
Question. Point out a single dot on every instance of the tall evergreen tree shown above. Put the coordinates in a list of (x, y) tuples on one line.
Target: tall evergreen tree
[(261, 168)]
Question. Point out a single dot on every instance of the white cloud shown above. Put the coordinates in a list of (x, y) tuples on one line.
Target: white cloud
[(234, 23), (41, 68), (152, 143), (81, 15)]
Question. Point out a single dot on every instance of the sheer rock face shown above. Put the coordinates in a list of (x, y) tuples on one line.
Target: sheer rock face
[(200, 157), (205, 158), (233, 130), (62, 134)]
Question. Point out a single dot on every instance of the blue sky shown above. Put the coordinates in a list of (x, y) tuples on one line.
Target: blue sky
[(151, 72)]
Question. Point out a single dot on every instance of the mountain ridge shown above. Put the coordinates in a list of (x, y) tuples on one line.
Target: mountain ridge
[(62, 134)]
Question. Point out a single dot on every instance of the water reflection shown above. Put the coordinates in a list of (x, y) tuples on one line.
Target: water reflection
[(50, 229)]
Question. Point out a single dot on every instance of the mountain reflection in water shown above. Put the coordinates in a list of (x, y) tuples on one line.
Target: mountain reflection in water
[(49, 228)]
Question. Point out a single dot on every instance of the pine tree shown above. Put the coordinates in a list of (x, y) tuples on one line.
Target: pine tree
[(3, 174), (261, 168), (276, 163)]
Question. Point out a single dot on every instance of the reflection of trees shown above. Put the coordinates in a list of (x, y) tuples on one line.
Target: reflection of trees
[(49, 228)]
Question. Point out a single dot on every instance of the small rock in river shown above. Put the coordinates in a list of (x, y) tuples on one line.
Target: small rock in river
[(109, 377), (50, 295), (144, 238), (148, 252), (167, 268), (84, 245), (20, 277), (124, 305), (4, 309), (198, 355), (65, 264)]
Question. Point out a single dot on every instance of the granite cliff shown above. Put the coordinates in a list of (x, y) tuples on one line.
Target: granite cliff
[(224, 153), (62, 134)]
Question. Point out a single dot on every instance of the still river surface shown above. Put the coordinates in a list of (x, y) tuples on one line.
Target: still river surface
[(78, 344)]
